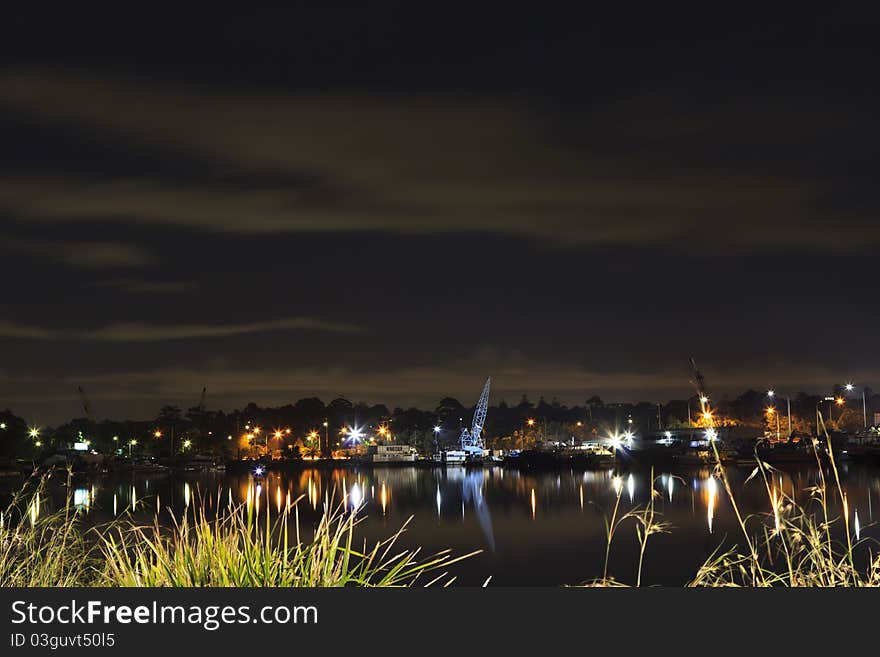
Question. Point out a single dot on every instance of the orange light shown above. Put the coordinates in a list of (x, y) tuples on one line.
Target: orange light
[(278, 434), (158, 434), (839, 401), (770, 410)]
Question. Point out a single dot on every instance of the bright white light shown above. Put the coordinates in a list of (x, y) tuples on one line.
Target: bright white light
[(355, 434), (704, 399), (849, 387), (669, 434), (711, 434), (81, 498), (437, 429), (710, 507), (259, 470), (615, 441), (356, 496), (770, 393)]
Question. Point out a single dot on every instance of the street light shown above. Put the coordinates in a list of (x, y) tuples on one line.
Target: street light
[(130, 444), (771, 411), (849, 387), (34, 432), (771, 394)]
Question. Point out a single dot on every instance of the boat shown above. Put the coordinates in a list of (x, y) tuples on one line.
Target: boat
[(788, 452), (451, 457), (394, 454), (868, 452), (198, 463)]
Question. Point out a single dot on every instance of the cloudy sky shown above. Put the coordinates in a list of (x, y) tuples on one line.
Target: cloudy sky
[(392, 204)]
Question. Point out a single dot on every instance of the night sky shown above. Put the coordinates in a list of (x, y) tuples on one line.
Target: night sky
[(392, 203)]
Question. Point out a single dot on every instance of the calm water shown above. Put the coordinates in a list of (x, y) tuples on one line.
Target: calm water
[(534, 529)]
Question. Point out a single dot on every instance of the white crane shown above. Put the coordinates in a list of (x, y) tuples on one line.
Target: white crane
[(472, 439)]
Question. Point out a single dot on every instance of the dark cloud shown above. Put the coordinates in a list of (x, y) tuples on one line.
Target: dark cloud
[(150, 287), (423, 165), (573, 204), (145, 332)]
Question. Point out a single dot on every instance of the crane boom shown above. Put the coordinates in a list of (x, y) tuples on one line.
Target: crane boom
[(472, 439), (87, 407), (702, 393)]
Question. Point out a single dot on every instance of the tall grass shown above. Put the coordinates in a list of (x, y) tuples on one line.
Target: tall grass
[(243, 548), (793, 545), (790, 545), (41, 549), (238, 547)]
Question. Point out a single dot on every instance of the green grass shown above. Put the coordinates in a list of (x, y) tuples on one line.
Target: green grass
[(41, 549), (240, 547)]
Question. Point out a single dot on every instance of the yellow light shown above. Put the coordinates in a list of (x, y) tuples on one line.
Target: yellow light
[(530, 422), (287, 431), (770, 410), (278, 434), (580, 424), (34, 432), (839, 401), (158, 434), (257, 431), (186, 444), (707, 415)]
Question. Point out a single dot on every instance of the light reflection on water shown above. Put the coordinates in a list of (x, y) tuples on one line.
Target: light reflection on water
[(533, 528)]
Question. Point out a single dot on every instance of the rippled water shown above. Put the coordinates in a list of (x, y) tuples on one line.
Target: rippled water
[(534, 529)]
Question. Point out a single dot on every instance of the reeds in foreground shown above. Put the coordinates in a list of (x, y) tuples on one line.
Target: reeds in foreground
[(240, 547), (791, 545), (243, 549), (41, 549)]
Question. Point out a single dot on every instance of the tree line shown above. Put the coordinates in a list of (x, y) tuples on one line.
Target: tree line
[(312, 427)]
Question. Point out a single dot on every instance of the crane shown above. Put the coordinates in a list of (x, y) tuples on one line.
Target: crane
[(472, 439), (87, 407), (700, 384)]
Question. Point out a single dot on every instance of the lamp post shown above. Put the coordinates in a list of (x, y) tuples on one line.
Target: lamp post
[(849, 387), (326, 438), (772, 411), (771, 393)]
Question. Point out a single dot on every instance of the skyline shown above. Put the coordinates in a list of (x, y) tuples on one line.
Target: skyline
[(391, 205)]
